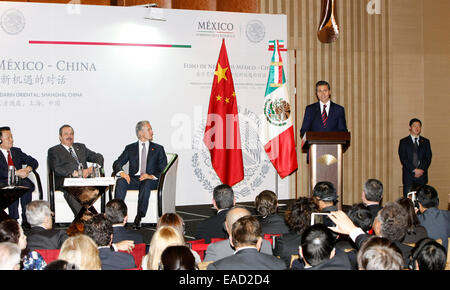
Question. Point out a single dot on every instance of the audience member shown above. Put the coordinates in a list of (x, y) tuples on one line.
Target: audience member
[(415, 230), (435, 221), (42, 235), (223, 200), (222, 249), (391, 223), (318, 252), (373, 195), (361, 216), (298, 218), (246, 239), (164, 237), (324, 194), (266, 204), (177, 258), (379, 254), (81, 251), (100, 229), (428, 255), (116, 212), (176, 221), (77, 226), (11, 231), (61, 265), (9, 256), (173, 220)]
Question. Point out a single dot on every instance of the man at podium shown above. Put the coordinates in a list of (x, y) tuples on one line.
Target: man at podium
[(324, 115)]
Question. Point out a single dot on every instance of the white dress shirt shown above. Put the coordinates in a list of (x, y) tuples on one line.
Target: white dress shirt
[(327, 109)]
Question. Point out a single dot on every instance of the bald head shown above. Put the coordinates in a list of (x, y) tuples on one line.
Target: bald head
[(233, 215)]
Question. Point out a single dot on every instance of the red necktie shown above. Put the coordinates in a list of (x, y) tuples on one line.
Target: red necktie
[(10, 161), (324, 116)]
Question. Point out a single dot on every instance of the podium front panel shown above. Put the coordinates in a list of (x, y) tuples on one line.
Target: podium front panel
[(326, 165)]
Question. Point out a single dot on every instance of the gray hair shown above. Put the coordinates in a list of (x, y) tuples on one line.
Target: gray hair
[(139, 126), (9, 256), (373, 189), (37, 211)]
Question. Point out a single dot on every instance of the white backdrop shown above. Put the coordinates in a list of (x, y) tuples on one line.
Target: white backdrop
[(63, 64)]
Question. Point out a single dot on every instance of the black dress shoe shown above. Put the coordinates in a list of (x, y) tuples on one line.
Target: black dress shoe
[(137, 222)]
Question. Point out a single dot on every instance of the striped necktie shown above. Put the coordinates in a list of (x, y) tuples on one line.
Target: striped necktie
[(324, 116), (74, 155)]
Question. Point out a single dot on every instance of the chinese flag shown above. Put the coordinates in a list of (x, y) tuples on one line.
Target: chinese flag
[(222, 136)]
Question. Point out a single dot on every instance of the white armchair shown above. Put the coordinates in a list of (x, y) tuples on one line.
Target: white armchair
[(162, 200)]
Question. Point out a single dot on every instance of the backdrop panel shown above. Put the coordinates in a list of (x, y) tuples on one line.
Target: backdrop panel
[(102, 69)]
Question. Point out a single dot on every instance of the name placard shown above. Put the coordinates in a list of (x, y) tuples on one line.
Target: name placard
[(98, 181)]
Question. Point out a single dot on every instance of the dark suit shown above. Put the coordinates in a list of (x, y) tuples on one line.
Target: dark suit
[(19, 159), (222, 249), (40, 238), (287, 245), (120, 233), (273, 224), (406, 152), (212, 227), (248, 259), (437, 224), (115, 260), (312, 120), (340, 261), (156, 163), (374, 209), (63, 165)]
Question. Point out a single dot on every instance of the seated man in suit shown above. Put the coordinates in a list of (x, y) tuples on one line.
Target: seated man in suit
[(372, 195), (146, 161), (13, 156), (213, 227), (318, 252), (42, 235), (266, 204), (99, 228), (222, 249), (117, 213), (435, 221), (391, 223), (66, 158), (246, 239), (415, 155), (324, 194), (324, 115)]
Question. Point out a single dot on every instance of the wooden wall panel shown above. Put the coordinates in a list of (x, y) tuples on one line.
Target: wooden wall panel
[(248, 6), (195, 4), (357, 67), (437, 77)]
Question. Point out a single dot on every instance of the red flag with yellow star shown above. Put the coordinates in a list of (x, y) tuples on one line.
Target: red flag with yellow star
[(222, 136)]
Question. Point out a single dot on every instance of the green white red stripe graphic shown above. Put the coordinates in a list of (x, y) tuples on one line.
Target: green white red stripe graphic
[(94, 43)]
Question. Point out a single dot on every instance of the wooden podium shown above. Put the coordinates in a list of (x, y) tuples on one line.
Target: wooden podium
[(325, 158)]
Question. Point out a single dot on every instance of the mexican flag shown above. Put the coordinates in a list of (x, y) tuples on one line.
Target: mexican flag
[(277, 134)]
